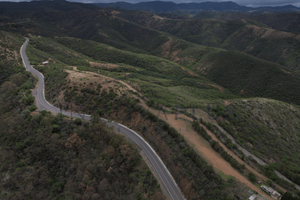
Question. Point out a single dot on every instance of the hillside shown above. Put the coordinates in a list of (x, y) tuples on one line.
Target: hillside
[(250, 77), (53, 157), (279, 21), (111, 98), (136, 33), (156, 78), (266, 128), (141, 69), (164, 45), (252, 37), (10, 62), (194, 8)]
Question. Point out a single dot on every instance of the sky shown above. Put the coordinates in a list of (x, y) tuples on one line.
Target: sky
[(250, 3)]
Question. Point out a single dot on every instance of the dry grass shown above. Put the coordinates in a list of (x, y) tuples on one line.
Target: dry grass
[(272, 34), (103, 65)]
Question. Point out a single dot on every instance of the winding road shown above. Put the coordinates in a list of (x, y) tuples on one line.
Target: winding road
[(157, 163)]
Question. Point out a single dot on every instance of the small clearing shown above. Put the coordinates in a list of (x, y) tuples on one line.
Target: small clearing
[(272, 34), (85, 77)]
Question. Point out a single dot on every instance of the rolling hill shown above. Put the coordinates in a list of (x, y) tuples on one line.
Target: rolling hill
[(118, 61), (194, 8)]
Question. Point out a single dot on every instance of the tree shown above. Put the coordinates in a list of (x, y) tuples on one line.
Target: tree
[(289, 196), (78, 121), (252, 177)]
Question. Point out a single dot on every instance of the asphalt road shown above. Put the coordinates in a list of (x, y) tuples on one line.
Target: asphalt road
[(157, 163)]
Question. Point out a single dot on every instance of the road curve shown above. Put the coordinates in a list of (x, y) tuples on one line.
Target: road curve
[(157, 163)]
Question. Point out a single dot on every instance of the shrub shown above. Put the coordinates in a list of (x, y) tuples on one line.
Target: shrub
[(32, 108), (25, 113), (78, 121), (252, 177)]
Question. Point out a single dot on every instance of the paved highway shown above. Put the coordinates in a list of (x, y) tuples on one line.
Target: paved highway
[(157, 163)]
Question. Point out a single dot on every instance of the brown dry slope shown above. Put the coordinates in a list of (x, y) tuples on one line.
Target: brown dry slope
[(196, 141), (204, 149)]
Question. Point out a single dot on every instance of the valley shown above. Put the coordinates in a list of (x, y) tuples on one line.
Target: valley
[(214, 100)]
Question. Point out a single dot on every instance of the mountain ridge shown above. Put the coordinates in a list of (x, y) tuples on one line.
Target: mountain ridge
[(194, 8)]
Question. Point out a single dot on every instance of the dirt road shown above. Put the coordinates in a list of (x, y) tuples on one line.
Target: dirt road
[(204, 149)]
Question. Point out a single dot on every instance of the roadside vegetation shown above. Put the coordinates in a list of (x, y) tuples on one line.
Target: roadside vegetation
[(158, 79), (266, 128), (52, 157), (171, 62), (96, 95)]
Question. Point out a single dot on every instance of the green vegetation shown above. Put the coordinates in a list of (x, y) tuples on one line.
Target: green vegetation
[(252, 177), (10, 62), (216, 146), (256, 78), (234, 34), (159, 79), (56, 51), (55, 159), (289, 196), (170, 70), (269, 130), (122, 108)]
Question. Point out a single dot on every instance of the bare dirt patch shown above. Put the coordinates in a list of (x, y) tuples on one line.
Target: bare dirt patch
[(174, 55), (203, 147), (215, 86), (190, 72), (158, 17), (204, 68), (90, 79), (114, 12), (226, 102), (272, 34), (182, 124), (287, 72), (257, 31), (93, 79), (166, 47), (166, 50), (103, 34)]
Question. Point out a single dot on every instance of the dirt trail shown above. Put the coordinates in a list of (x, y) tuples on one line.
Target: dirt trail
[(102, 76), (204, 149), (202, 146)]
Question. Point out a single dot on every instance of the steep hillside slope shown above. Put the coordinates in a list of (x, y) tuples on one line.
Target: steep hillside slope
[(280, 21), (105, 96), (269, 129), (194, 8), (51, 157), (250, 36), (251, 77), (10, 62), (158, 79)]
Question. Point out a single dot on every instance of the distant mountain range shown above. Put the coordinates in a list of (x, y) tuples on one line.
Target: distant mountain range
[(193, 8)]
